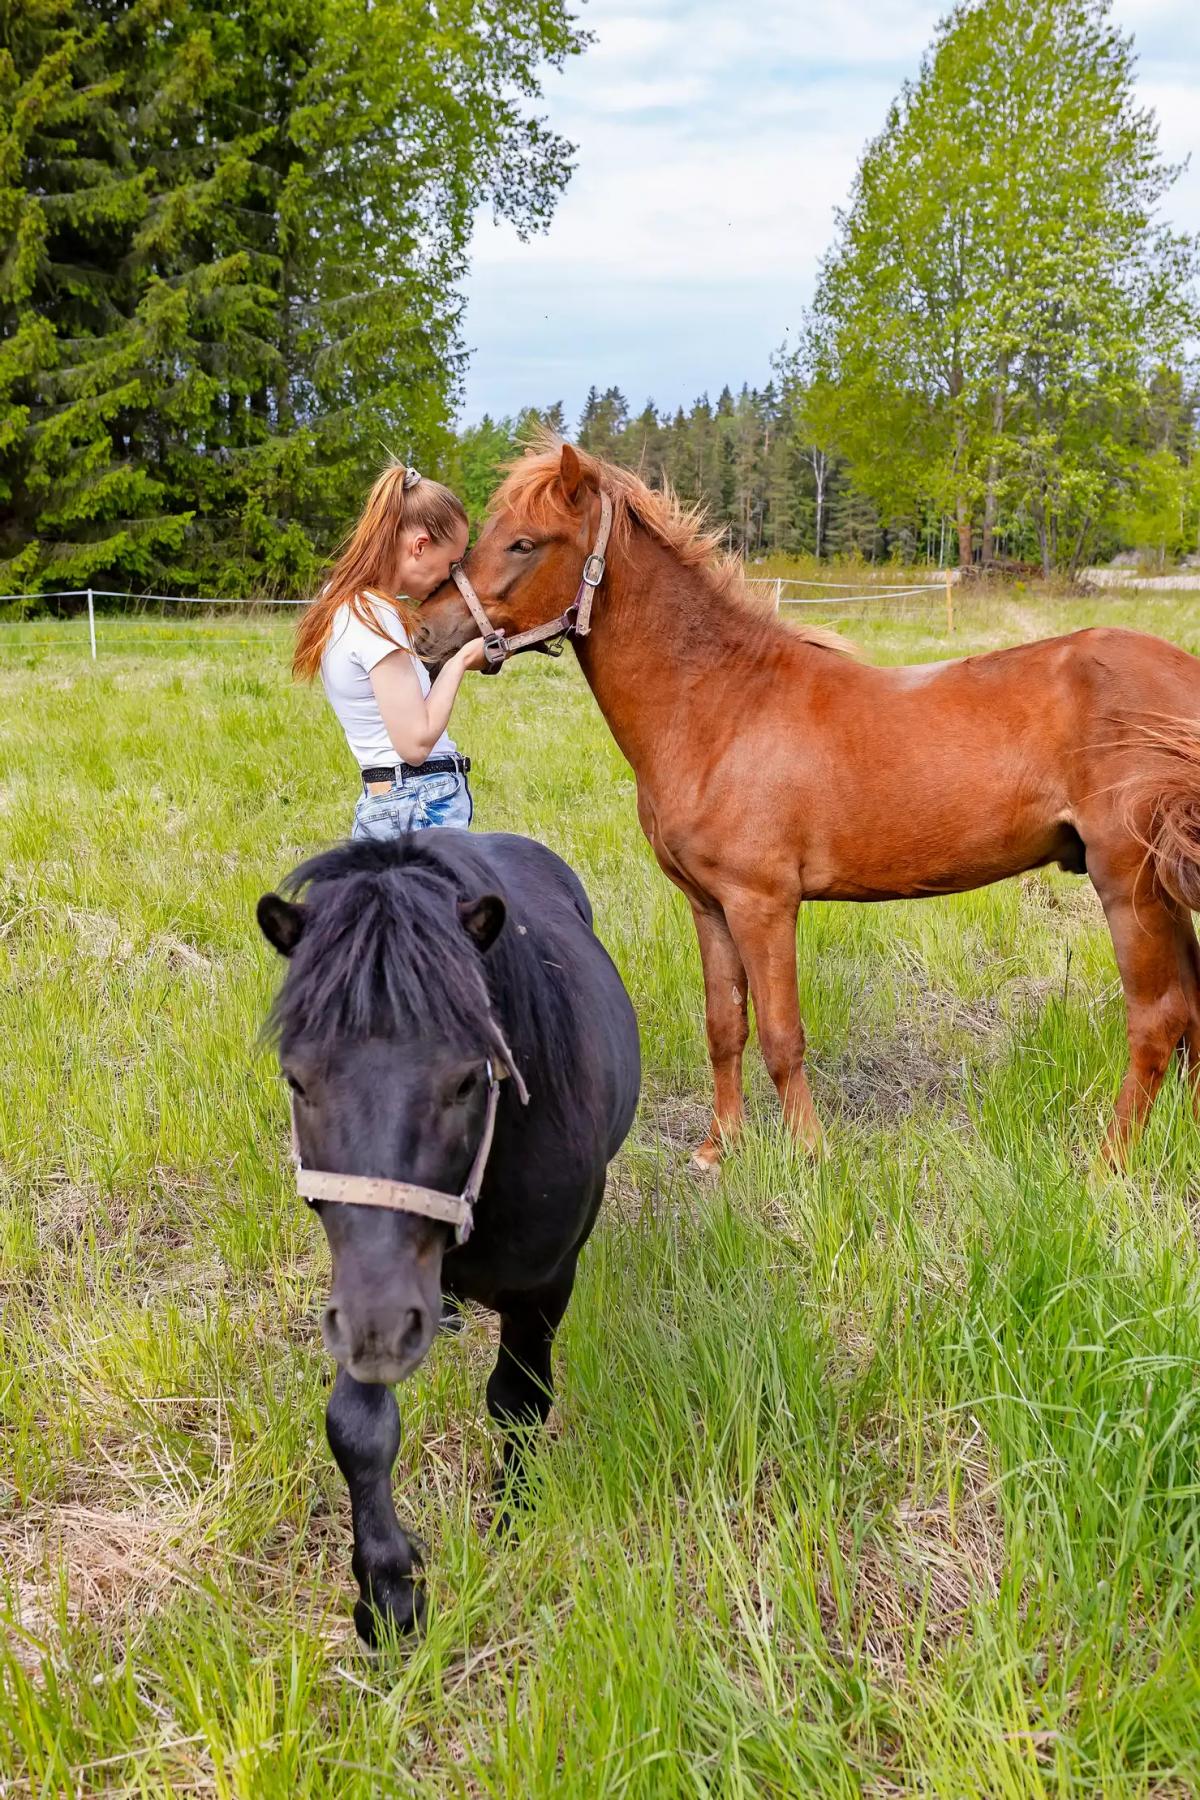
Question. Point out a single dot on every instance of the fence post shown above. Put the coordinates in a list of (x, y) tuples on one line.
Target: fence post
[(949, 602), (92, 623), (778, 593)]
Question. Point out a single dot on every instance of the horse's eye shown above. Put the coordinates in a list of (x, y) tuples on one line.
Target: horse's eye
[(467, 1085), (293, 1084), (523, 546)]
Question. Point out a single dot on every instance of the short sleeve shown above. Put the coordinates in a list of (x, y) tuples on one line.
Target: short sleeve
[(369, 647)]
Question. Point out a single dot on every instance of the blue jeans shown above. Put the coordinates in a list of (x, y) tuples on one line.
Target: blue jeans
[(415, 804)]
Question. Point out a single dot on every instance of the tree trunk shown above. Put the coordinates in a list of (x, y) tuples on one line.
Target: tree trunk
[(962, 514), (987, 547), (819, 469), (1080, 546), (1044, 541), (962, 500), (987, 551)]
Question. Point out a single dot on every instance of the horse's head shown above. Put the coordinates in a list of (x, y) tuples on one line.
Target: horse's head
[(385, 1032), (525, 566)]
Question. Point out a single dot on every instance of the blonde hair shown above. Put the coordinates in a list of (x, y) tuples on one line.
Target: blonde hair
[(401, 500)]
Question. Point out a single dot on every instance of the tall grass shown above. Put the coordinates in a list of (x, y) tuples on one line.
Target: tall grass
[(877, 1475)]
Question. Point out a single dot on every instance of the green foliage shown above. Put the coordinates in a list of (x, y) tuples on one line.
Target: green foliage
[(231, 240), (603, 422), (755, 462), (1162, 511), (997, 350), (1000, 293)]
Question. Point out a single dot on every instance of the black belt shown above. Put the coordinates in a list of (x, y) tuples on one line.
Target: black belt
[(436, 765)]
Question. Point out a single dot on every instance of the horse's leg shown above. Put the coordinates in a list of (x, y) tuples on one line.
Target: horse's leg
[(362, 1422), (1189, 968), (1146, 941), (765, 934), (520, 1389), (728, 1026)]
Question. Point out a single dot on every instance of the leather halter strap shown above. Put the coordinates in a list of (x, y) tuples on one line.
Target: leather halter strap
[(575, 622), (457, 1210)]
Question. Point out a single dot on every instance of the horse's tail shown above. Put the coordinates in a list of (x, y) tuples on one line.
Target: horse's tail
[(1168, 821)]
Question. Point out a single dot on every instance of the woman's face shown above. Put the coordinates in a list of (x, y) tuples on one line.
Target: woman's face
[(425, 561)]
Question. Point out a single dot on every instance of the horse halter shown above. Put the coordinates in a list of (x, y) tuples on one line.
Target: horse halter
[(575, 622), (457, 1210)]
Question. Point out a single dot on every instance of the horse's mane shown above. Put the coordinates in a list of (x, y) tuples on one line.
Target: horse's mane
[(532, 487), (383, 949)]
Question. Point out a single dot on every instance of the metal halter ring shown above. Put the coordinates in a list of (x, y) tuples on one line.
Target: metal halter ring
[(574, 622), (495, 653)]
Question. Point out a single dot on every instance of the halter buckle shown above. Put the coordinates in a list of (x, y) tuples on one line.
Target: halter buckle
[(557, 642), (593, 570), (495, 653)]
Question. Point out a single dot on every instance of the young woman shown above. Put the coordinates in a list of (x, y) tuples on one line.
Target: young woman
[(357, 634)]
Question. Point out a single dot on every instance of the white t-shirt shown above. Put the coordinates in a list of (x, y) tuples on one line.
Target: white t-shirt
[(350, 655)]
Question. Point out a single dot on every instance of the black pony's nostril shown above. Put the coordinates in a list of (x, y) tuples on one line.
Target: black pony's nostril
[(331, 1321), (413, 1329)]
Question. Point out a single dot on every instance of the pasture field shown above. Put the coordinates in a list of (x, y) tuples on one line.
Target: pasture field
[(879, 1475)]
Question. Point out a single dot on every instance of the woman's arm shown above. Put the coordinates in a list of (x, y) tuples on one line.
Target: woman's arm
[(416, 721)]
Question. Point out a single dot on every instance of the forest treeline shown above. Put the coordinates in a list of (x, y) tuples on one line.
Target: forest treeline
[(996, 364), (233, 239), (757, 461)]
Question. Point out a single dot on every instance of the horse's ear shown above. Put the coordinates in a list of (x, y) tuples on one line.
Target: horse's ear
[(571, 474), (281, 922), (482, 919)]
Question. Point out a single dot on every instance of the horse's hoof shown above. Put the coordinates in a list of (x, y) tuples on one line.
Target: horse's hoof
[(706, 1160), (401, 1615)]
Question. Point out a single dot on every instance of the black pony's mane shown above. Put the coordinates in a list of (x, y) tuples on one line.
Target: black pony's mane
[(383, 950)]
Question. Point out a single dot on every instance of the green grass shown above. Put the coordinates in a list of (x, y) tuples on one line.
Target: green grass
[(874, 1476)]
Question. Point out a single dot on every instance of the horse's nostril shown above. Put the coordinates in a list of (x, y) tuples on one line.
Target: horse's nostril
[(331, 1322), (412, 1329)]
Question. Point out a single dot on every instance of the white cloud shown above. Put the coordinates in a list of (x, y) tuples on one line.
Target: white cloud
[(714, 143)]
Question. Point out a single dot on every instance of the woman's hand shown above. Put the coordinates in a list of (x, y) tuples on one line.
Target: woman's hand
[(471, 655)]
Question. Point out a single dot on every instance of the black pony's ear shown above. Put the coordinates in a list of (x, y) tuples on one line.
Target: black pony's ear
[(281, 922), (482, 919)]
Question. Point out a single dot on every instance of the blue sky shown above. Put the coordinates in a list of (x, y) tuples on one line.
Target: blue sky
[(714, 142)]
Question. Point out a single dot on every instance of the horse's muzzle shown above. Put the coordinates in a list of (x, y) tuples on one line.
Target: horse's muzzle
[(375, 1350)]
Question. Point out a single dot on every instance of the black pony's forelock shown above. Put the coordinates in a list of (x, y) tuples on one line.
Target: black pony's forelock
[(383, 951)]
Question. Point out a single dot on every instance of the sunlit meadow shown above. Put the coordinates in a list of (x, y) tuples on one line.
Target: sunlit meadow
[(878, 1475)]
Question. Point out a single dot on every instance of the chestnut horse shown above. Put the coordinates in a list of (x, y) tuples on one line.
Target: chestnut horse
[(773, 767)]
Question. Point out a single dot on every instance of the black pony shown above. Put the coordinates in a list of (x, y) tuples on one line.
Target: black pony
[(414, 967)]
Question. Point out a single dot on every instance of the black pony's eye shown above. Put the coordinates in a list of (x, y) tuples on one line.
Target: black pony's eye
[(467, 1085), (523, 546), (294, 1084)]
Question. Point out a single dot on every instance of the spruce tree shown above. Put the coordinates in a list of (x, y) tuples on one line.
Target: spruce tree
[(245, 228), (603, 421), (72, 194)]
